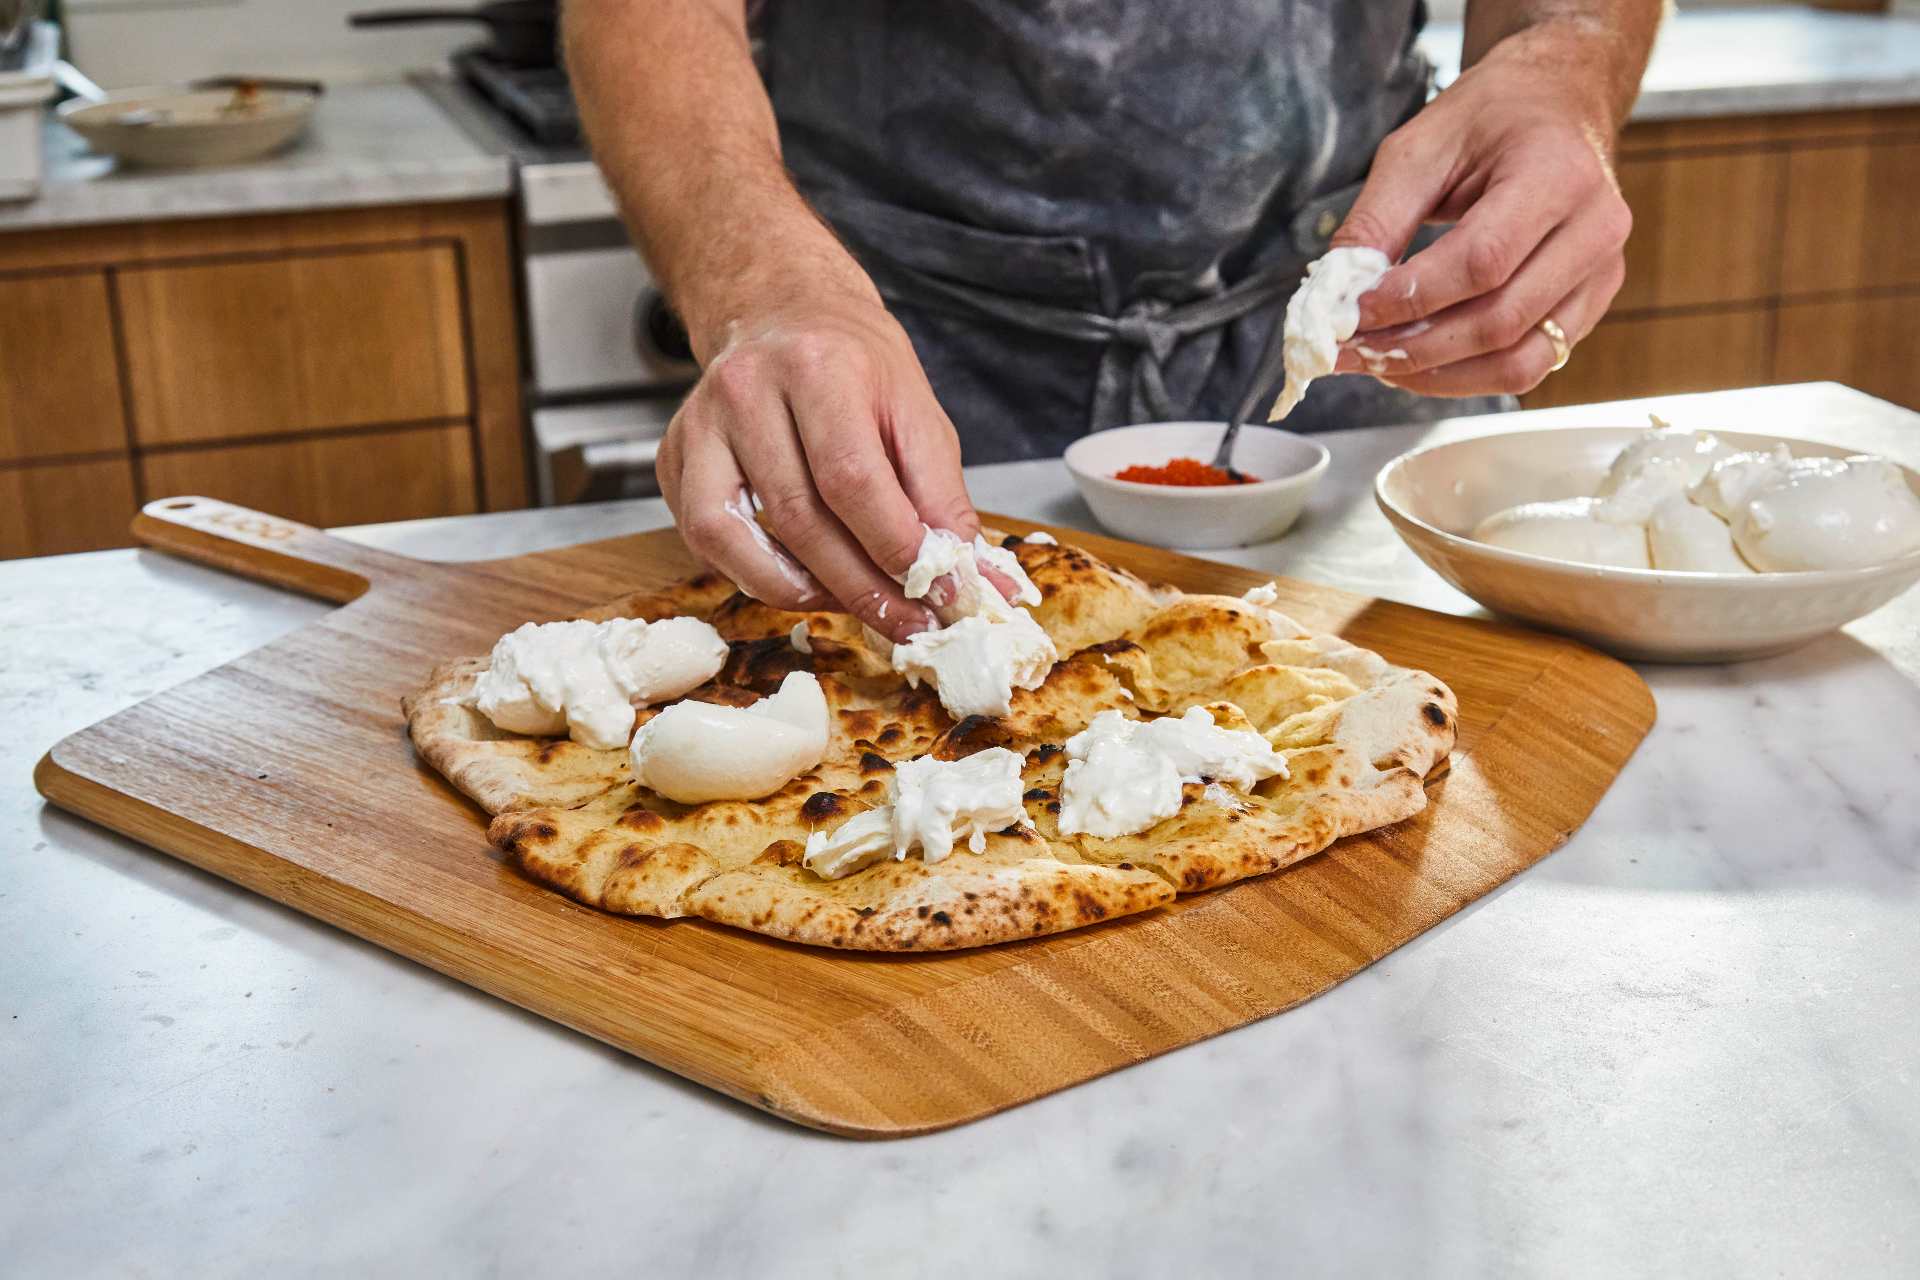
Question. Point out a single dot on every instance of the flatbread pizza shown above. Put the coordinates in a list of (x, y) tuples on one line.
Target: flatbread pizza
[(1346, 739)]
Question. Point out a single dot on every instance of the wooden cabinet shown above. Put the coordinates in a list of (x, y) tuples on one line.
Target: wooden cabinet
[(1849, 216), (1676, 353), (302, 342), (49, 509), (336, 368), (59, 395), (1680, 255), (1865, 342), (1764, 249), (356, 477)]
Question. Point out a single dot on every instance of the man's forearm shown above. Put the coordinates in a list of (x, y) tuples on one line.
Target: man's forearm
[(1601, 45), (681, 125)]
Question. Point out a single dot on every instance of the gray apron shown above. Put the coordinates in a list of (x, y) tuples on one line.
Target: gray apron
[(1091, 212)]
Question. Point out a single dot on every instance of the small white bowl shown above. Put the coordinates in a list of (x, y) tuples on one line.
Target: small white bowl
[(1202, 517), (1434, 497)]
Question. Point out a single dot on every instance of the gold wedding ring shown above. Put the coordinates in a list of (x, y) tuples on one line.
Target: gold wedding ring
[(1562, 349)]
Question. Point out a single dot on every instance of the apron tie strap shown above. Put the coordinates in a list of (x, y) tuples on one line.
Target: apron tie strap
[(1131, 383)]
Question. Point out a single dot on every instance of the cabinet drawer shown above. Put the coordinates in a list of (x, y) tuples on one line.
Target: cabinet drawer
[(1863, 342), (49, 509), (1846, 221), (1661, 355), (59, 386), (264, 346), (354, 479), (1705, 228)]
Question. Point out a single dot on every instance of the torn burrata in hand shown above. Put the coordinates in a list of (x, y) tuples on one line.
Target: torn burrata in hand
[(986, 646), (1323, 313)]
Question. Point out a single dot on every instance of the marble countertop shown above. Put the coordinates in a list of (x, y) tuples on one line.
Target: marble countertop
[(1686, 1043), (1729, 62), (368, 144)]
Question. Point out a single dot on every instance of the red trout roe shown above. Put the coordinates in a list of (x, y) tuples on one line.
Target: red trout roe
[(1185, 471)]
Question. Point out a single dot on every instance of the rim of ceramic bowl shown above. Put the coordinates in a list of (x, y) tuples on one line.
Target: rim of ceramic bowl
[(276, 104), (1760, 579), (1205, 492)]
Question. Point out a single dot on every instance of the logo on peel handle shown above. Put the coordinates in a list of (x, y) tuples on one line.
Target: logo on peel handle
[(251, 525)]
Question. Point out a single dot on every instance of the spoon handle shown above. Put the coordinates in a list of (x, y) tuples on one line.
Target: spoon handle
[(1265, 374)]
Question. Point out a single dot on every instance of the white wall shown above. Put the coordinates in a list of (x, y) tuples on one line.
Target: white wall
[(130, 42)]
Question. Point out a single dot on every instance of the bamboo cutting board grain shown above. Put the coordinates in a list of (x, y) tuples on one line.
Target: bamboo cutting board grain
[(289, 772)]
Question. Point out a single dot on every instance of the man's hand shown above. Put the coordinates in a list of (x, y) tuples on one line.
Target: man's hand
[(1517, 153), (812, 401), (819, 408)]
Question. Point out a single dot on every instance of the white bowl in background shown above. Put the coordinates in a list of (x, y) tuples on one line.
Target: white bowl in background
[(1203, 517), (1434, 496), (196, 127)]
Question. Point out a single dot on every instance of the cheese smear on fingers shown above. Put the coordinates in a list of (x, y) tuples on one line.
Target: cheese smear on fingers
[(586, 678), (695, 752)]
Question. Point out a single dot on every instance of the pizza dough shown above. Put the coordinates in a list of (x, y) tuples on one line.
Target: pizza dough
[(1358, 735)]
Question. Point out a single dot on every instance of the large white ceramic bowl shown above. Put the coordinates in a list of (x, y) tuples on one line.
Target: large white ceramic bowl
[(1434, 497), (200, 127), (1234, 515)]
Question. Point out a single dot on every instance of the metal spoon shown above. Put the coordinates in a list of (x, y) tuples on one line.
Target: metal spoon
[(1272, 361)]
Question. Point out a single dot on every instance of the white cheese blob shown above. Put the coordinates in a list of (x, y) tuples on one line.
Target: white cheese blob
[(800, 638), (1566, 529), (586, 678), (854, 845), (1685, 501), (1643, 488), (1724, 489), (988, 647), (695, 752), (1124, 775), (1264, 594), (933, 805), (937, 802), (943, 553), (1040, 538), (1323, 313), (1694, 452), (977, 663), (1828, 513), (1690, 539)]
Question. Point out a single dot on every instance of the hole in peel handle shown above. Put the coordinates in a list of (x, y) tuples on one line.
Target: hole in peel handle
[(265, 548)]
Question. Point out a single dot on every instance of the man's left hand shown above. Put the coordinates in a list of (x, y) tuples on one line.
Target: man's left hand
[(1516, 153)]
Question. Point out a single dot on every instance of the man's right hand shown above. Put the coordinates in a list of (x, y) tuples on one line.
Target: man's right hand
[(812, 400), (817, 406)]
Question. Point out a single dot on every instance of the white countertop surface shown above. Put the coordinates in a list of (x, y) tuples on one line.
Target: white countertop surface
[(1687, 1043), (367, 144), (1726, 62)]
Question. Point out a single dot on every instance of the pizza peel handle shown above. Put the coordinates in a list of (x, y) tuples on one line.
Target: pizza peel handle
[(266, 548)]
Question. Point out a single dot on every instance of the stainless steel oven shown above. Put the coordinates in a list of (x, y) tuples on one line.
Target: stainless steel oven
[(605, 359)]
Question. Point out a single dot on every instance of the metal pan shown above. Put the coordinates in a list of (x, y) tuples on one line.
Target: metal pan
[(525, 33)]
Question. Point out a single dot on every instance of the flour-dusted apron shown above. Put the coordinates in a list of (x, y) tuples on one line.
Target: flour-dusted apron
[(1090, 212)]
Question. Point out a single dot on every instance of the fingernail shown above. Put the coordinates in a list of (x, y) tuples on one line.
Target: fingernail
[(942, 591), (914, 623)]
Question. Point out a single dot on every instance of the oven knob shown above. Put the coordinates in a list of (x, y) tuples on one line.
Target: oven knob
[(657, 331)]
